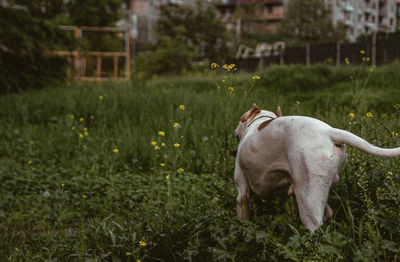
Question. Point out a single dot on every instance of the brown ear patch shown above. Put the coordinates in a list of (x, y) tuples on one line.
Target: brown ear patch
[(252, 113), (264, 124)]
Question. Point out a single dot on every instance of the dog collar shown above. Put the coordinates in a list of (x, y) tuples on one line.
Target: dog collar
[(257, 119)]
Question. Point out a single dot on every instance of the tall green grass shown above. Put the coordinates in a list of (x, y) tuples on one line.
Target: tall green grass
[(82, 181)]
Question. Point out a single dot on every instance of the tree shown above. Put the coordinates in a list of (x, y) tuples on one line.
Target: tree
[(23, 40), (199, 27), (185, 35), (172, 55), (308, 22)]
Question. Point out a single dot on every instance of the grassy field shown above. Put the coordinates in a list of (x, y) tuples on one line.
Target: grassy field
[(142, 171)]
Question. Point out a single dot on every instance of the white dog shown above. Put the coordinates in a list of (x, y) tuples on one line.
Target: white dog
[(299, 154)]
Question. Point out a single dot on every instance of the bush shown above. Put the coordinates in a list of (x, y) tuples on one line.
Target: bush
[(172, 55)]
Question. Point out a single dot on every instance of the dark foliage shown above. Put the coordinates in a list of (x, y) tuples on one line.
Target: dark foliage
[(23, 63)]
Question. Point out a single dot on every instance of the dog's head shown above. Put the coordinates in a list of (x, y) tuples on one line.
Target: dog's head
[(251, 115)]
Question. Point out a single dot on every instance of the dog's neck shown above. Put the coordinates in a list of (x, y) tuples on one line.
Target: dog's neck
[(259, 117), (263, 114)]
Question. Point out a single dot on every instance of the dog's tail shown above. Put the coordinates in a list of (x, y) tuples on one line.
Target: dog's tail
[(342, 136)]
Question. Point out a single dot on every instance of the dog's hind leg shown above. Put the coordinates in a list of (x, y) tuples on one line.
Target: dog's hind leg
[(311, 188), (243, 198)]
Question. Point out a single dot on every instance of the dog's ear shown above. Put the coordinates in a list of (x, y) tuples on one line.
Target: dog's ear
[(278, 112), (254, 107), (254, 110)]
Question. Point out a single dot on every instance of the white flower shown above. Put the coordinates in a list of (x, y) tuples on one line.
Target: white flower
[(46, 194)]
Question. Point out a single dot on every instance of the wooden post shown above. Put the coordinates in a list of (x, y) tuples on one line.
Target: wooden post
[(338, 53), (261, 64), (127, 60), (83, 64), (115, 67), (69, 74), (238, 29), (98, 67), (373, 49), (77, 57)]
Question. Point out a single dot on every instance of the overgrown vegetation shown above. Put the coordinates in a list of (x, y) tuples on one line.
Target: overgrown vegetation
[(139, 171), (186, 36), (28, 29)]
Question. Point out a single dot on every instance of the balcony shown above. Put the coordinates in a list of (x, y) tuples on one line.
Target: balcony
[(271, 16)]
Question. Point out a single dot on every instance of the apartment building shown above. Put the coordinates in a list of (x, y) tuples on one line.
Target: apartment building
[(359, 16), (365, 16), (251, 16)]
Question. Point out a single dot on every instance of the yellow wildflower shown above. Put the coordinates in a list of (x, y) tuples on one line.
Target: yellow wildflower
[(180, 170), (231, 89), (30, 162), (214, 65), (162, 164), (142, 243), (138, 260), (128, 254), (80, 135), (115, 150), (84, 196), (351, 115), (383, 116), (369, 114), (347, 61), (86, 133), (176, 125), (101, 97), (62, 185), (32, 142), (167, 177), (177, 145), (81, 119), (229, 67), (182, 107), (362, 52), (73, 128), (256, 77), (162, 144), (161, 133), (153, 143), (156, 148)]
